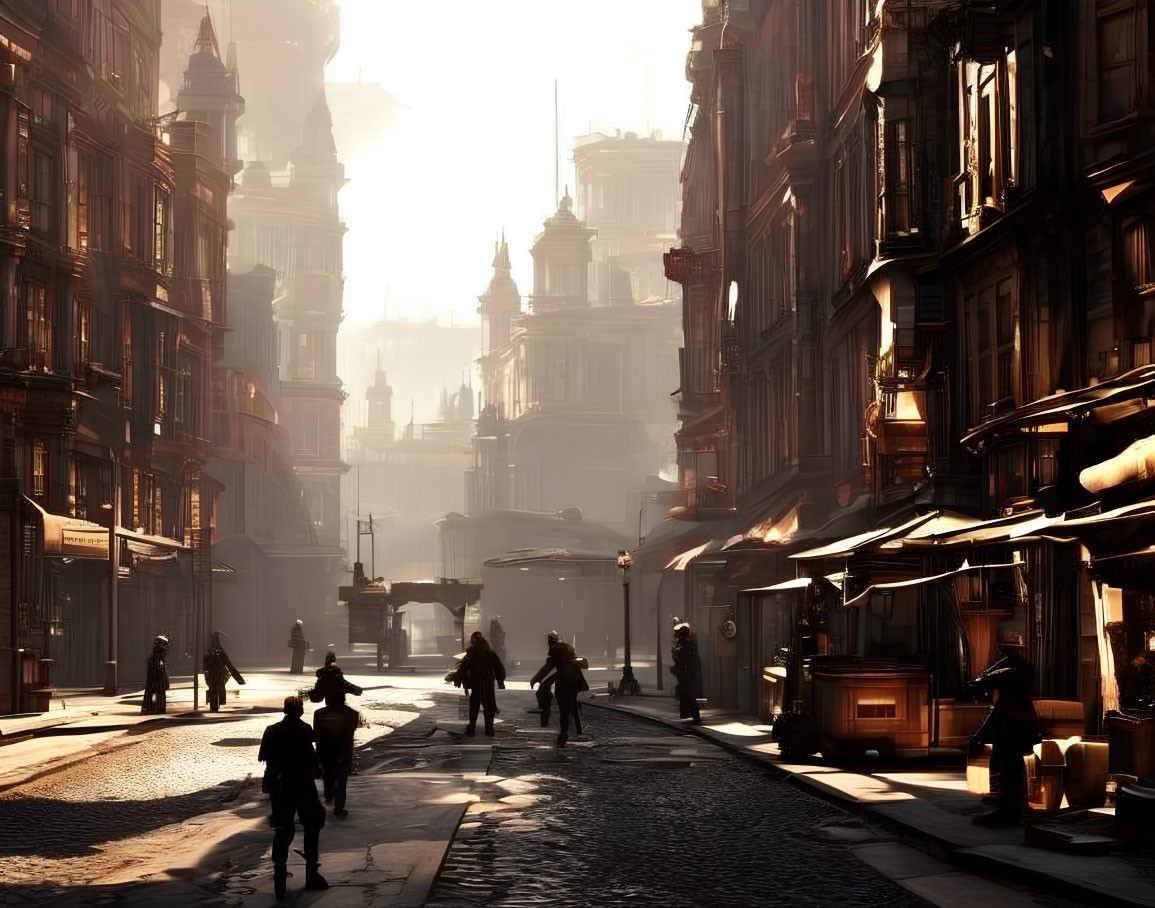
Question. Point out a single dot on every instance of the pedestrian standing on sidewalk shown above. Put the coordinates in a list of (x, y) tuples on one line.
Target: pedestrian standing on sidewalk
[(687, 668), (1011, 727), (478, 672), (290, 770), (333, 728), (218, 668), (156, 678), (497, 637), (569, 681), (298, 644)]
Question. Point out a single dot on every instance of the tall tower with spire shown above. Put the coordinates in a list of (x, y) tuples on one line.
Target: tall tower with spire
[(500, 303), (561, 256), (209, 94)]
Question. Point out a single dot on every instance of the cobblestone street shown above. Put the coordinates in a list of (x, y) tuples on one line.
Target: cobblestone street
[(634, 814)]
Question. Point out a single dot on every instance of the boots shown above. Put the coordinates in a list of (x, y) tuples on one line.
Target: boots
[(280, 874), (313, 878), (471, 729)]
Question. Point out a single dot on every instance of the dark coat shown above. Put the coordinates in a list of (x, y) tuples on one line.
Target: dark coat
[(479, 669), (287, 751), (218, 667), (333, 728), (562, 659), (331, 680), (687, 667)]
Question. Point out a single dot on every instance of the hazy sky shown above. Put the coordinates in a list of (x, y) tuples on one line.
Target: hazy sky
[(473, 148)]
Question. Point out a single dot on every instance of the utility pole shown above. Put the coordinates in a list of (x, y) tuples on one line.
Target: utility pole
[(113, 606)]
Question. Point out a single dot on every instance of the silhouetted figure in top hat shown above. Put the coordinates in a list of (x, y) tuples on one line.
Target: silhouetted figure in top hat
[(562, 661), (687, 668), (218, 668), (478, 673), (333, 728), (291, 767), (298, 644), (330, 679), (1010, 727), (156, 679)]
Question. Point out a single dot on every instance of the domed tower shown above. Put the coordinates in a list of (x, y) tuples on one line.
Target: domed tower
[(561, 256), (210, 95), (500, 303)]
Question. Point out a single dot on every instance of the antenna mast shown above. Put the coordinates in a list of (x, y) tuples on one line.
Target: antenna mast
[(556, 162)]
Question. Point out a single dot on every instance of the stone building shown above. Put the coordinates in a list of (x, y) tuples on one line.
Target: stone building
[(113, 263), (909, 230)]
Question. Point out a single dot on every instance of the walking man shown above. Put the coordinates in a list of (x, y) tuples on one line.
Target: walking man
[(290, 768), (687, 668), (569, 682), (330, 679), (545, 688), (218, 668), (333, 728), (478, 672), (298, 644)]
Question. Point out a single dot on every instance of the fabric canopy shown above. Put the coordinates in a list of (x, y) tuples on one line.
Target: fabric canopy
[(918, 581)]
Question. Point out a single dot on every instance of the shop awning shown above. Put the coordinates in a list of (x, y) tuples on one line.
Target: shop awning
[(1107, 402), (1062, 529), (919, 581), (844, 548), (776, 530), (1134, 465), (72, 537), (799, 583), (682, 561)]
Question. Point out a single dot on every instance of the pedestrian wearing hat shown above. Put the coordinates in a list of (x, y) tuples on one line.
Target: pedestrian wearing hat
[(298, 644), (563, 665), (687, 668), (218, 668), (156, 678)]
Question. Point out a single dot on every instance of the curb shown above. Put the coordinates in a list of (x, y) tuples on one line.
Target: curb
[(951, 852)]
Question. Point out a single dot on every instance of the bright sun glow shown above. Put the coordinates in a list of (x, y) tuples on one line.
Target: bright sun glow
[(472, 148)]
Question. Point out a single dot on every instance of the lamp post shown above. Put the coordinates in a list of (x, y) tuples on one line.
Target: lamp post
[(629, 684)]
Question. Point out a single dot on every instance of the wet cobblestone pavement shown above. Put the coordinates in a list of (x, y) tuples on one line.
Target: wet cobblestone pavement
[(639, 815)]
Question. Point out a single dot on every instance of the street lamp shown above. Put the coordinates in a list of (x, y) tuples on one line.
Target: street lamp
[(629, 684)]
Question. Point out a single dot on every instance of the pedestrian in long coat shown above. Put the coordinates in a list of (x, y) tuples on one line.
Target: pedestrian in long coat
[(218, 668), (290, 770), (479, 672), (333, 728), (687, 668), (568, 683), (156, 678), (298, 644)]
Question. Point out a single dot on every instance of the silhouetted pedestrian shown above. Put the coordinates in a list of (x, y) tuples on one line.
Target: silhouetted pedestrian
[(545, 688), (497, 637), (1011, 729), (478, 672), (333, 728), (291, 767), (218, 668), (687, 668), (298, 644), (569, 681), (156, 678), (330, 679)]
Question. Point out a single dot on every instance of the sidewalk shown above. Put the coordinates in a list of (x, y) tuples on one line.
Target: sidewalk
[(931, 804)]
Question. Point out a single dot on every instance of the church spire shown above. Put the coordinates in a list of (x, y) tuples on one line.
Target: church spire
[(207, 37)]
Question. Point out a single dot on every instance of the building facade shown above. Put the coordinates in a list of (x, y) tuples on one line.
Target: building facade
[(908, 230), (113, 290)]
